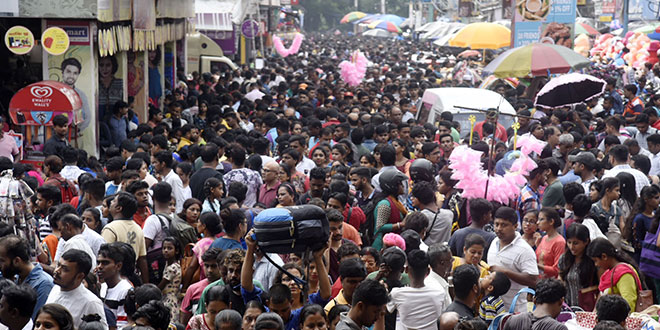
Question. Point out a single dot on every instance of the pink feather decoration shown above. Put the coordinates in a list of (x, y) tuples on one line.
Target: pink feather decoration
[(529, 143), (352, 72), (472, 178), (295, 45)]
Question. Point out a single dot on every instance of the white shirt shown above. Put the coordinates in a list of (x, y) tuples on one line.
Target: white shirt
[(94, 239), (305, 166), (436, 281), (114, 299), (655, 164), (265, 272), (519, 257), (72, 172), (594, 230), (79, 302), (177, 189), (77, 242), (419, 308), (641, 180), (407, 116), (153, 230)]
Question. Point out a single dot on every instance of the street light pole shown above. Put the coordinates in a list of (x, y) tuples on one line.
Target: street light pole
[(626, 6)]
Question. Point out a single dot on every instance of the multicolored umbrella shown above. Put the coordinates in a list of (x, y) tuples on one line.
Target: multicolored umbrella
[(582, 28), (482, 36), (384, 25), (536, 59), (569, 89), (352, 16), (491, 80)]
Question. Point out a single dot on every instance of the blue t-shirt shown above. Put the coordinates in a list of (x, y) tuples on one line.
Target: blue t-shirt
[(226, 244)]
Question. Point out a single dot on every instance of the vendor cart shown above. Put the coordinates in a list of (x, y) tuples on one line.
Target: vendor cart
[(33, 108)]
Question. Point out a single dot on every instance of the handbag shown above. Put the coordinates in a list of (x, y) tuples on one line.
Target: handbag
[(587, 298), (644, 297), (186, 261)]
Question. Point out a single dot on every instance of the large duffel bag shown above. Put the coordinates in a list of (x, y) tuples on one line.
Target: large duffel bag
[(291, 229)]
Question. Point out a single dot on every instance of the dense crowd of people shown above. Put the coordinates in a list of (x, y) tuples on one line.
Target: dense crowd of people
[(158, 234)]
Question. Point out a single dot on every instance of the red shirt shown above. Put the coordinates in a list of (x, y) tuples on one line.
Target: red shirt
[(500, 132), (140, 217), (357, 216)]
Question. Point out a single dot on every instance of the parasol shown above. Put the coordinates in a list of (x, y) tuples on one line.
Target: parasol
[(569, 89), (536, 59), (352, 16), (384, 25), (583, 28), (482, 36)]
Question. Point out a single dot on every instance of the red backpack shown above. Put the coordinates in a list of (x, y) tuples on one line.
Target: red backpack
[(67, 190)]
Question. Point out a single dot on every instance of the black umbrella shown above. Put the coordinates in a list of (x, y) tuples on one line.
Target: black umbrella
[(569, 89)]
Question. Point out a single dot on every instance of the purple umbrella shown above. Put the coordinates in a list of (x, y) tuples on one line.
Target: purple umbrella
[(569, 89)]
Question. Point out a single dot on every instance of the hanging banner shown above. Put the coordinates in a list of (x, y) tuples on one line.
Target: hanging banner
[(608, 8), (548, 21), (55, 40), (76, 67), (19, 40)]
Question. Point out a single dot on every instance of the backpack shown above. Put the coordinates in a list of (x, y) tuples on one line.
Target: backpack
[(500, 320), (66, 190), (183, 232), (367, 227), (291, 229)]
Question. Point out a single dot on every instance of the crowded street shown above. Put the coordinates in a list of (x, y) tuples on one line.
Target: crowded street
[(300, 165)]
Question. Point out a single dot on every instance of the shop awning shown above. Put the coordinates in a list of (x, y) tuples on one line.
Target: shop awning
[(38, 103)]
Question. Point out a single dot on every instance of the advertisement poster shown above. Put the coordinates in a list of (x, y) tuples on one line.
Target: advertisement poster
[(75, 67), (608, 8), (111, 84), (19, 40), (548, 21), (55, 40), (642, 10), (135, 81)]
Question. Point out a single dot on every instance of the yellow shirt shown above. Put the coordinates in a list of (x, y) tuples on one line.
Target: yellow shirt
[(483, 267), (338, 300)]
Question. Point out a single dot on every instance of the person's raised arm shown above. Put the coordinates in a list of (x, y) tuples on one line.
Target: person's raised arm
[(247, 270), (325, 289), (522, 278)]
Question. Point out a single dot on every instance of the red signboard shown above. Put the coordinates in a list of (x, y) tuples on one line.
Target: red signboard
[(38, 103)]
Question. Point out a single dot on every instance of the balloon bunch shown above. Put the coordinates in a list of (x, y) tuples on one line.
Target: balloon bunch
[(473, 179), (353, 71), (642, 49), (295, 45)]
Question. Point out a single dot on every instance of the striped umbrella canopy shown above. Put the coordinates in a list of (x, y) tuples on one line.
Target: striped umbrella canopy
[(536, 59), (582, 28), (384, 25), (482, 36), (352, 16)]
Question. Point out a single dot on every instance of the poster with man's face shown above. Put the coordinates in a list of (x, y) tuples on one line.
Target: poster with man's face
[(76, 68)]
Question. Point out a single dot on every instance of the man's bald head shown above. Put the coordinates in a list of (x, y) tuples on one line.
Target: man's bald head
[(270, 172), (448, 320)]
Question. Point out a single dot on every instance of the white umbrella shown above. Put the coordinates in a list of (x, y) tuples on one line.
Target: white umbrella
[(378, 33)]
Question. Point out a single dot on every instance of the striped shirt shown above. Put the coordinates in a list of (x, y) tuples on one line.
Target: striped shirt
[(490, 307)]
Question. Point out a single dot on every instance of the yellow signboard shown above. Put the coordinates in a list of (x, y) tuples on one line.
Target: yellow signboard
[(19, 40), (55, 41)]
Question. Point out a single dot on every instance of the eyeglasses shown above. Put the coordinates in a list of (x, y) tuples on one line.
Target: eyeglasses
[(531, 222)]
